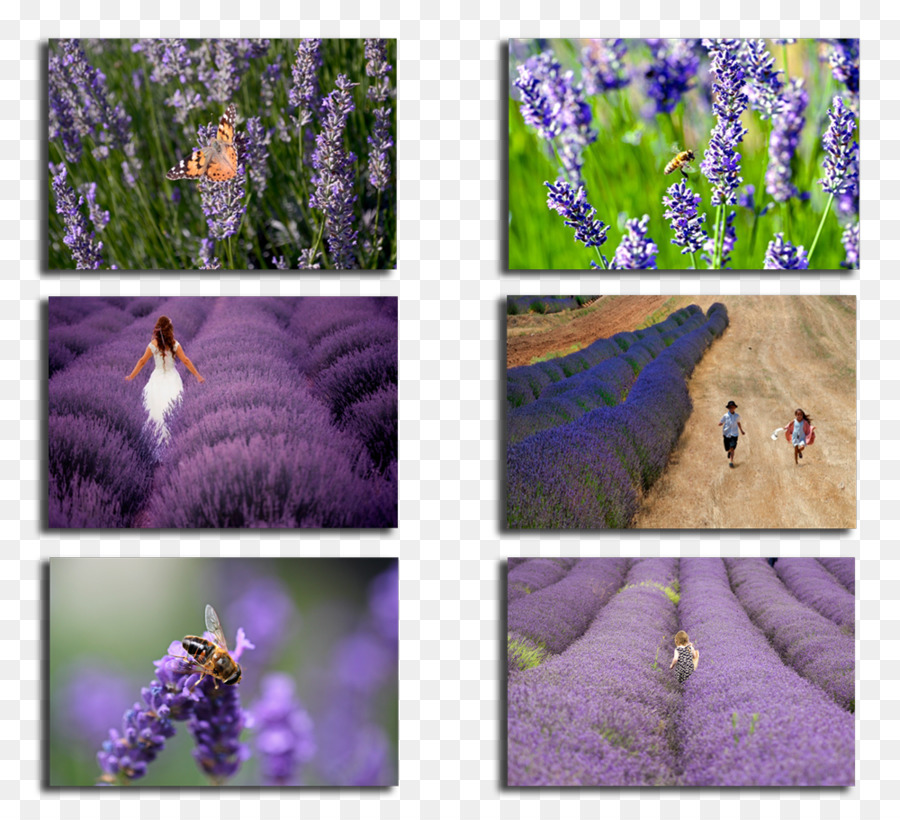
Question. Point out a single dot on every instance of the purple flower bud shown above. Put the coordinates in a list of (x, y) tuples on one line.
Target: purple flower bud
[(721, 161), (787, 125), (304, 93), (850, 241), (255, 153), (334, 192), (80, 240), (308, 259), (782, 255), (847, 203), (681, 211), (212, 710), (669, 76), (763, 84), (207, 259), (844, 62), (98, 216), (841, 150), (284, 732), (577, 212), (636, 251), (554, 104), (603, 66), (379, 91)]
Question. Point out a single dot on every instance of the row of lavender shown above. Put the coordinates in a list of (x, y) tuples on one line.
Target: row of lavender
[(295, 425), (545, 304), (527, 383), (606, 711), (264, 443), (603, 385), (589, 473), (101, 456)]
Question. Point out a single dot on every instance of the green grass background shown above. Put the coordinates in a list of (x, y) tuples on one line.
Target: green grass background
[(148, 231), (624, 180)]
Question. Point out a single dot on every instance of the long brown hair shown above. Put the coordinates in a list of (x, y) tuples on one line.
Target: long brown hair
[(164, 334), (805, 417)]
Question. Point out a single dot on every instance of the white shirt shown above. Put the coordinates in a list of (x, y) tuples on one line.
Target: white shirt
[(730, 424)]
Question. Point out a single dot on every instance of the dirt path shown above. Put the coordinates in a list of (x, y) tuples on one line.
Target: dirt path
[(778, 353), (531, 336)]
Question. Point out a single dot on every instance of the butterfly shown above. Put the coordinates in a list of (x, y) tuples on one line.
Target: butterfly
[(218, 161)]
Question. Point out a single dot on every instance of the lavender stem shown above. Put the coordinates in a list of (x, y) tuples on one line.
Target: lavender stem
[(821, 225)]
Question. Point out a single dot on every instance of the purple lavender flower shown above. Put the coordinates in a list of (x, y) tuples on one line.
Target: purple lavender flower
[(536, 108), (847, 203), (782, 255), (333, 193), (222, 64), (271, 80), (217, 722), (284, 732), (554, 104), (208, 259), (785, 41), (763, 83), (577, 212), (721, 162), (308, 259), (169, 59), (841, 167), (214, 715), (223, 202), (98, 216), (80, 240), (603, 66), (636, 251), (844, 62), (255, 153), (787, 125), (304, 93), (850, 241), (379, 91), (80, 105), (681, 211), (669, 76)]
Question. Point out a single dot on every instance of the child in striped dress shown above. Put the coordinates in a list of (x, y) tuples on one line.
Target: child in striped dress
[(686, 658)]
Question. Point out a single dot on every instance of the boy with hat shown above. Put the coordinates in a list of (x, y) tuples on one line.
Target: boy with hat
[(730, 424)]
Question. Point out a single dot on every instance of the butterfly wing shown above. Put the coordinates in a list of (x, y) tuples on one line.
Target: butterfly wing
[(223, 165), (191, 167), (225, 133)]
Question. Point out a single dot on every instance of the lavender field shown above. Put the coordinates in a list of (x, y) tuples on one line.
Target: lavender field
[(589, 432), (592, 700), (294, 426)]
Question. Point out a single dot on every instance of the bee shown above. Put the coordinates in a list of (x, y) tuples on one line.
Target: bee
[(210, 658), (680, 161)]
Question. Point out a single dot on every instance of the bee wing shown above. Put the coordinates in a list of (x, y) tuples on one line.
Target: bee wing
[(675, 148), (214, 626)]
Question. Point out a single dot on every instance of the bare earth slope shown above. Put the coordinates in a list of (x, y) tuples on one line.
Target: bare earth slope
[(778, 353), (530, 336)]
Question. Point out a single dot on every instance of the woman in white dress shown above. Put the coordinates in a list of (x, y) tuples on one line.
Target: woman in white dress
[(163, 388)]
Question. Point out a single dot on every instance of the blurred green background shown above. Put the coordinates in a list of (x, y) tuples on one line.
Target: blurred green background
[(111, 618), (623, 169)]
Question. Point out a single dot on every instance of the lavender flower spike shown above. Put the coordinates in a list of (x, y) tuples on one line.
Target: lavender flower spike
[(841, 172), (787, 125), (681, 211), (379, 91), (223, 203), (669, 76), (603, 66), (177, 694), (217, 723), (85, 251), (850, 241), (536, 108), (636, 251), (284, 732), (764, 85), (334, 194), (577, 212), (721, 162), (782, 255)]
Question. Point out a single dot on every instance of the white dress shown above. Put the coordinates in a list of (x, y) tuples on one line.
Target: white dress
[(162, 391)]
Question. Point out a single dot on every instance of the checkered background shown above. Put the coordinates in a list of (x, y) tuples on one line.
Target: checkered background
[(450, 280)]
